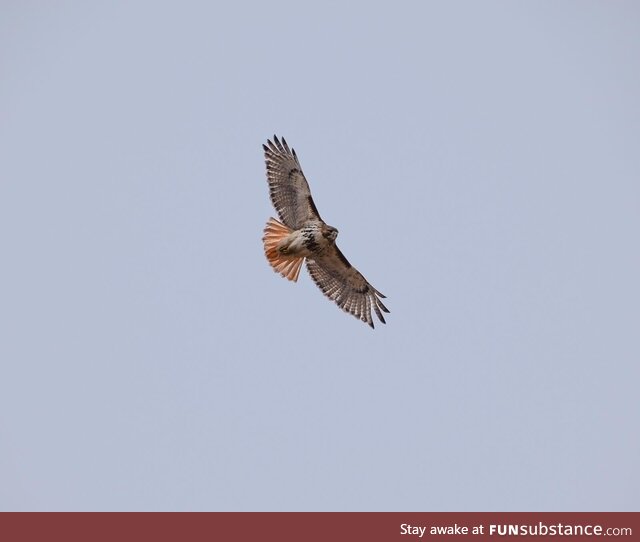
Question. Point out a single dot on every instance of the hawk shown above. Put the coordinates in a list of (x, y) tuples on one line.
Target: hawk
[(302, 235)]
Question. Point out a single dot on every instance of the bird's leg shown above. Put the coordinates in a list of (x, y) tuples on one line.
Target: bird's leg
[(283, 246)]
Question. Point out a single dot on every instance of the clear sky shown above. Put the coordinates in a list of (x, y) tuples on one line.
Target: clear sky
[(482, 163)]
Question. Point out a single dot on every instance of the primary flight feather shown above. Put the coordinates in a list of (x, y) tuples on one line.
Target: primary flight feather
[(301, 234)]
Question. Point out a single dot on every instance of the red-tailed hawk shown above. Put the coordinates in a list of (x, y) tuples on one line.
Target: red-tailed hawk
[(303, 234)]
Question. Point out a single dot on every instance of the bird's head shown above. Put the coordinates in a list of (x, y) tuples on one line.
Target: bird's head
[(329, 232)]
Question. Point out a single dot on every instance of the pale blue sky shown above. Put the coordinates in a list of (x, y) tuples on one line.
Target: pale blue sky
[(481, 161)]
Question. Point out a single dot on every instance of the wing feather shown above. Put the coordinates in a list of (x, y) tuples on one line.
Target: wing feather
[(288, 187), (346, 286)]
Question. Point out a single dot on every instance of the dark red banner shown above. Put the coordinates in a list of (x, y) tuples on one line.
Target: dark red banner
[(320, 526)]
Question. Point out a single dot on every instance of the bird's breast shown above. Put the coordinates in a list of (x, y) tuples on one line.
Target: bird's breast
[(307, 241)]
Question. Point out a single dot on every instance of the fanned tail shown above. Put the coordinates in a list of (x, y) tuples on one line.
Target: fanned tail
[(287, 266)]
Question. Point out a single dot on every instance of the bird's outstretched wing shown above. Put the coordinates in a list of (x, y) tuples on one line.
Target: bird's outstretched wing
[(342, 282), (288, 188)]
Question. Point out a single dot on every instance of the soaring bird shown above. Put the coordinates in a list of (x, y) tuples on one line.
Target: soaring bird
[(301, 235)]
